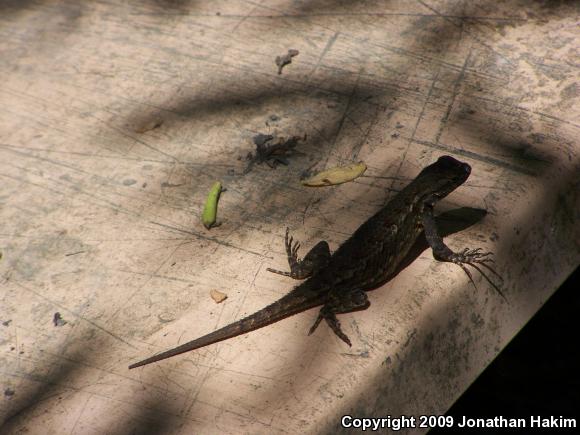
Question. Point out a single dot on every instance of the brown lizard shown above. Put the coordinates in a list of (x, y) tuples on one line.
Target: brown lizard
[(366, 260)]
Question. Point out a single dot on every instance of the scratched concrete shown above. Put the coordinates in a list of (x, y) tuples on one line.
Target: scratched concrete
[(100, 219)]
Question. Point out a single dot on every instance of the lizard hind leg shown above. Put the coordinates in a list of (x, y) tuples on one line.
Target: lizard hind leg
[(352, 301), (315, 260)]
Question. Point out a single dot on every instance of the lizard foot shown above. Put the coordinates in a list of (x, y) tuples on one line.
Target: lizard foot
[(334, 324), (292, 253), (473, 257), (347, 303), (314, 260)]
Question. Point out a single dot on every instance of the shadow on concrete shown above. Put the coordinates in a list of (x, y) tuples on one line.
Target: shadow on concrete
[(513, 146), (540, 362), (27, 406)]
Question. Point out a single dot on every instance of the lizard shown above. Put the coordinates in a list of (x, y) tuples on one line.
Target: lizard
[(365, 261)]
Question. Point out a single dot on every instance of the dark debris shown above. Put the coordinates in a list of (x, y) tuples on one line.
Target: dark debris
[(273, 150), (58, 320), (282, 61)]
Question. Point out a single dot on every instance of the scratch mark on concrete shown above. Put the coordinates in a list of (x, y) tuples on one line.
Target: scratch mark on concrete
[(479, 157), (210, 239), (415, 128), (456, 87)]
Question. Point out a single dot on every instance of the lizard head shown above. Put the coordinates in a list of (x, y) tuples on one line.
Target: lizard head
[(442, 177)]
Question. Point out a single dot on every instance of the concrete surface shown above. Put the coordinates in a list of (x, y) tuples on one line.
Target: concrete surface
[(100, 216)]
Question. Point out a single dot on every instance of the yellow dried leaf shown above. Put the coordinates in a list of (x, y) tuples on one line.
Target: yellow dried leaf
[(337, 175)]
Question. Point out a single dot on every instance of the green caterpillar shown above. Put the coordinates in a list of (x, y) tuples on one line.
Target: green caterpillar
[(209, 215)]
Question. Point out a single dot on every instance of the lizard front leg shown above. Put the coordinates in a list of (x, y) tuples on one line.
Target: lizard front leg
[(442, 252), (316, 259), (341, 303)]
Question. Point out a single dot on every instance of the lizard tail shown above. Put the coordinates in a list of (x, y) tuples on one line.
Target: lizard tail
[(290, 304)]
